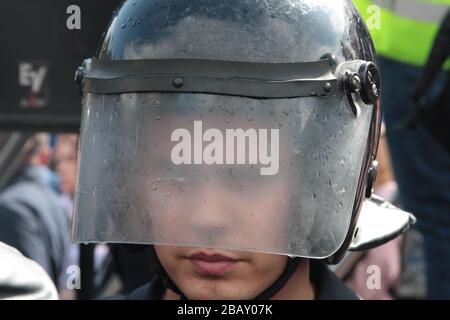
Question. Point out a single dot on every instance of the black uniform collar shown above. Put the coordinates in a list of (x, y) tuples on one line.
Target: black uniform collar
[(327, 286)]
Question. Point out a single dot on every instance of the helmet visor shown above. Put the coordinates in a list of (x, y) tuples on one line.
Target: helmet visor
[(204, 170)]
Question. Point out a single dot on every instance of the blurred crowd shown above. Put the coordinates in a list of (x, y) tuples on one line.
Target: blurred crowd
[(36, 206)]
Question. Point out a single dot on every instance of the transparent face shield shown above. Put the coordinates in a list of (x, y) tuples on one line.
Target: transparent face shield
[(272, 175), (275, 176)]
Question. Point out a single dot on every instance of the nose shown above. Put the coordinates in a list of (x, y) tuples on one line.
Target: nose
[(211, 217)]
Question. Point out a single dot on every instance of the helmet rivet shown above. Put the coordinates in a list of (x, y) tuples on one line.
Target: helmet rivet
[(353, 82), (327, 87), (178, 82), (356, 82)]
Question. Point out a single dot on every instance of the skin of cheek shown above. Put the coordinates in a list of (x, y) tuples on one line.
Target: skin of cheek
[(264, 223)]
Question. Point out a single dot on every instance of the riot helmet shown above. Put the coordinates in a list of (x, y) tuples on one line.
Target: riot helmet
[(236, 124)]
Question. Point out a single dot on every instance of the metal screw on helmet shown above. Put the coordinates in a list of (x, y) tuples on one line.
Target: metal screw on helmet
[(352, 84), (178, 82), (353, 81)]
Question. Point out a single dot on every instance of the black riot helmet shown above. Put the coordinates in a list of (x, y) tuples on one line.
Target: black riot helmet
[(234, 124)]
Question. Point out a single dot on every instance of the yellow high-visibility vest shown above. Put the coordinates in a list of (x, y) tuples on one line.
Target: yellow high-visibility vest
[(404, 30)]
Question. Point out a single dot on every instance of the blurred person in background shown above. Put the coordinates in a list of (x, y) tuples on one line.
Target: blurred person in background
[(32, 219), (404, 32), (129, 262), (388, 256), (385, 186), (65, 164)]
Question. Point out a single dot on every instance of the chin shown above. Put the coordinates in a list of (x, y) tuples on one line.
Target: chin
[(205, 296), (217, 292)]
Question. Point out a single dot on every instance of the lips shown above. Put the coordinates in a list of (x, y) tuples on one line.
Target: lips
[(212, 264)]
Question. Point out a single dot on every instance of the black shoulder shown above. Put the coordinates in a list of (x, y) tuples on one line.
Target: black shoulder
[(327, 285)]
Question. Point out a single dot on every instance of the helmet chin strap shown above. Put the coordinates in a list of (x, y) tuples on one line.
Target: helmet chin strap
[(267, 294)]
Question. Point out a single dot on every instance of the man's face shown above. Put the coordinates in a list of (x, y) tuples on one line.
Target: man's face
[(222, 206), (226, 205), (219, 274)]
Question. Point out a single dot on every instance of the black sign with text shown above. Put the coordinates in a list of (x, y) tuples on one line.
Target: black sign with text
[(42, 42)]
